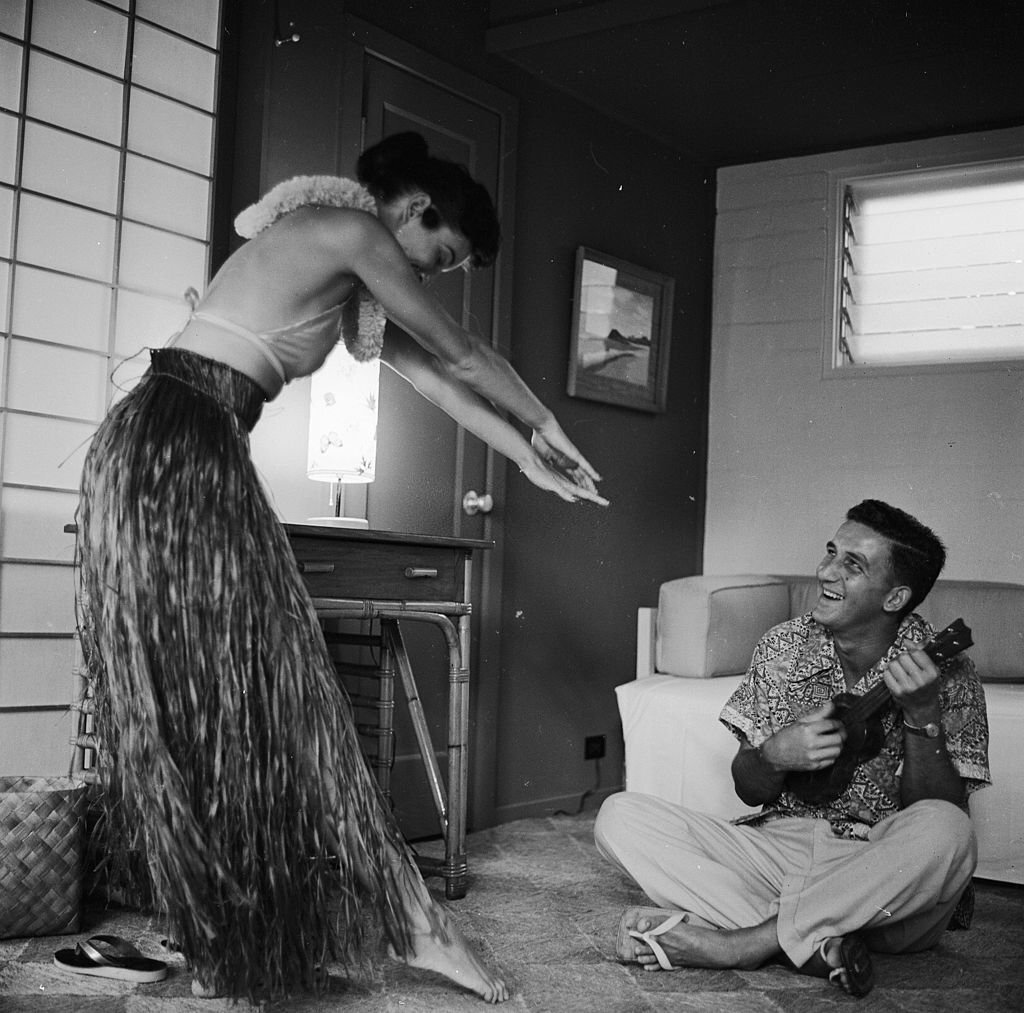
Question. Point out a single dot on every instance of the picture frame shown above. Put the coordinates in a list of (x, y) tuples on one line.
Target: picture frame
[(621, 332)]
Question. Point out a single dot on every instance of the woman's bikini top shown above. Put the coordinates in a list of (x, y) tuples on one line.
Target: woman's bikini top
[(273, 357), (279, 355)]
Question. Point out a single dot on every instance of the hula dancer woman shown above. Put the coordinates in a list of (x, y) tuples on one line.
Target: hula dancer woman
[(230, 756)]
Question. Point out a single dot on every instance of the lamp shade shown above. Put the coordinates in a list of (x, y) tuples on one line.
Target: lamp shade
[(343, 419)]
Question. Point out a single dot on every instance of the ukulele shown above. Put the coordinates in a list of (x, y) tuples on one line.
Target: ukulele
[(863, 722)]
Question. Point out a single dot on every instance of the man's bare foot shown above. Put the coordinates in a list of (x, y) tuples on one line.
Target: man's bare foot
[(689, 945), (450, 954), (846, 962)]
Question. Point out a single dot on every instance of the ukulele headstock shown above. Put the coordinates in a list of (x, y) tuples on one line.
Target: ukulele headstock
[(948, 643)]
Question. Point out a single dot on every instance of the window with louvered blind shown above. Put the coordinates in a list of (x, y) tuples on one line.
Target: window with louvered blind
[(930, 268)]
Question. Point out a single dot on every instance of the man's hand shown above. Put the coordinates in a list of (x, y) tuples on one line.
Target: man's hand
[(928, 771), (913, 680), (813, 742)]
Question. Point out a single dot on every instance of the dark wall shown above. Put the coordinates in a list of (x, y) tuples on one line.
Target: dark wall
[(574, 575), (574, 578)]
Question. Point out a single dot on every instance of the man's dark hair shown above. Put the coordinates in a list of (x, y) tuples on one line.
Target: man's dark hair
[(916, 553)]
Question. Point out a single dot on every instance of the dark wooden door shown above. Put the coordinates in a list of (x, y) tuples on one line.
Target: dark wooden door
[(425, 462)]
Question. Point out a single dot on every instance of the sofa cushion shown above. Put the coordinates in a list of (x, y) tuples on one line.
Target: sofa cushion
[(994, 611), (707, 626), (995, 614)]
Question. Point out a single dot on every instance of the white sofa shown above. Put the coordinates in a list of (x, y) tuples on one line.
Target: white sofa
[(693, 649)]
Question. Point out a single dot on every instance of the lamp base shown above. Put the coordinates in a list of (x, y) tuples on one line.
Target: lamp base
[(340, 522)]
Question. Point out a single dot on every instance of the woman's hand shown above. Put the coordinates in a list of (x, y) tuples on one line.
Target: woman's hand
[(545, 476), (558, 452), (428, 375)]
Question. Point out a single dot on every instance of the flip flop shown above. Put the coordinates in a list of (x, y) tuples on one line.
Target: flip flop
[(110, 957), (624, 948), (856, 965)]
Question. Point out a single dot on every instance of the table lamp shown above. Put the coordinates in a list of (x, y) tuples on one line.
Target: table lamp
[(343, 429)]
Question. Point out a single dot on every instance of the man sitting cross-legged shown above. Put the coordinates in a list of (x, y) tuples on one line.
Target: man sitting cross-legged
[(822, 883)]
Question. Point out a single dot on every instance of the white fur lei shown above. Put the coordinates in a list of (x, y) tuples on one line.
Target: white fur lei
[(322, 191)]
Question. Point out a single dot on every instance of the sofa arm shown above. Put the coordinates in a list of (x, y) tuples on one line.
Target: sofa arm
[(708, 626)]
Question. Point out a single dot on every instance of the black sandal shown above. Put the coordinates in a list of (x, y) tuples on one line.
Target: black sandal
[(110, 957), (856, 974)]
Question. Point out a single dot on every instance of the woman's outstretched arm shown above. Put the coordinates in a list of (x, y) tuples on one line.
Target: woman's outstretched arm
[(428, 375), (372, 253)]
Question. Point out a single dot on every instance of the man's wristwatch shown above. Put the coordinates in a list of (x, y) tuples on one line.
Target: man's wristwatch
[(929, 731)]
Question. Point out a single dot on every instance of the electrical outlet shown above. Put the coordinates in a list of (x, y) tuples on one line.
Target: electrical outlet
[(593, 747)]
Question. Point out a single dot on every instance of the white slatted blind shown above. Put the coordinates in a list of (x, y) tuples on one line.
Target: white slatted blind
[(933, 267)]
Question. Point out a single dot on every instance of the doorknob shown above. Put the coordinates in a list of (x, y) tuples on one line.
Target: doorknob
[(474, 504)]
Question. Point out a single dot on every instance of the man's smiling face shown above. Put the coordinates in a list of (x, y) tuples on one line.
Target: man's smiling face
[(855, 579)]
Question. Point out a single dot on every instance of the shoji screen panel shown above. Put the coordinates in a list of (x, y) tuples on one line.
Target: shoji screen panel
[(107, 133)]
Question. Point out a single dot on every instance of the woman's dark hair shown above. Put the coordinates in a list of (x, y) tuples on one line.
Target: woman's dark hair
[(915, 552), (401, 163)]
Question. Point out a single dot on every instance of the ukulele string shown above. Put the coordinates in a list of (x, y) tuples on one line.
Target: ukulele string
[(866, 704)]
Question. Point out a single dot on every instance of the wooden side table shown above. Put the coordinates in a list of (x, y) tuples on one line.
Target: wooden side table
[(399, 578)]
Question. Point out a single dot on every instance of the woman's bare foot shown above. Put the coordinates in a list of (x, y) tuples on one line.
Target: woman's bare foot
[(442, 948), (201, 991), (436, 944)]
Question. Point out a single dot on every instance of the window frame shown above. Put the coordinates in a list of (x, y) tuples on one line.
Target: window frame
[(987, 153)]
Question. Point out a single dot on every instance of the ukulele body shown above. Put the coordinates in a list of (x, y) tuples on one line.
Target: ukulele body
[(861, 716), (864, 740)]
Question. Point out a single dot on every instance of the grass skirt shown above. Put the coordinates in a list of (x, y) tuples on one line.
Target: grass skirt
[(236, 799)]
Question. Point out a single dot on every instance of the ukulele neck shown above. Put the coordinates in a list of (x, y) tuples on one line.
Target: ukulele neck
[(868, 704), (946, 645)]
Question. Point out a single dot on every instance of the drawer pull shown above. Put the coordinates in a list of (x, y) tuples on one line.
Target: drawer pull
[(420, 571), (315, 567)]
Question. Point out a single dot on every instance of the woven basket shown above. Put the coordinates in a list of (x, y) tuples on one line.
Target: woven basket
[(42, 832)]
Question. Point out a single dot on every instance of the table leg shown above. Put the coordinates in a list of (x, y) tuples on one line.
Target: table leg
[(396, 645), (451, 807), (458, 762)]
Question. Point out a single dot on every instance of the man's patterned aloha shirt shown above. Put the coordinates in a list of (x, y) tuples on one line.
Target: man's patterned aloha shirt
[(795, 669)]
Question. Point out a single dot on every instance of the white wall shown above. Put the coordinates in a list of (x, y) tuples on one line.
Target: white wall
[(788, 451)]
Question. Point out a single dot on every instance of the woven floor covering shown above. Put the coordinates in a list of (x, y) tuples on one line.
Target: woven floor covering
[(543, 907)]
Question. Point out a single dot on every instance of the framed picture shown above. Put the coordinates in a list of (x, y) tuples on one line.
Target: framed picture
[(621, 332)]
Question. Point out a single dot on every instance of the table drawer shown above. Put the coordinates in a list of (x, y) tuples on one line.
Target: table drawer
[(392, 571)]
